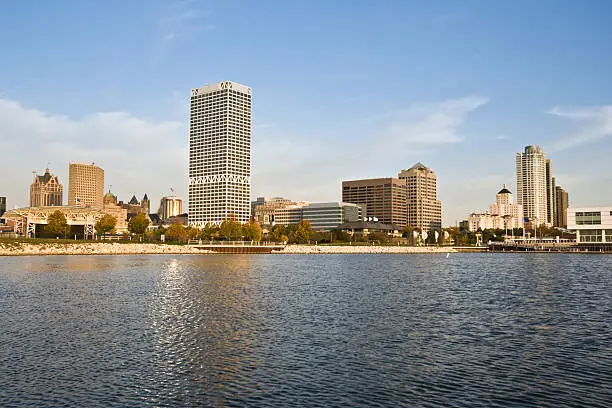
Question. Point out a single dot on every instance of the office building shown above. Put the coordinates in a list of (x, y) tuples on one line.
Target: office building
[(591, 224), (219, 153), (263, 209), (170, 206), (85, 185), (46, 191), (424, 210), (383, 198), (2, 205), (533, 184), (562, 202), (327, 216)]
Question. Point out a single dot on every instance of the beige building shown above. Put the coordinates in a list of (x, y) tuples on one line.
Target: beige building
[(504, 214), (112, 208), (85, 185), (534, 185), (170, 206), (46, 191), (383, 198), (423, 207)]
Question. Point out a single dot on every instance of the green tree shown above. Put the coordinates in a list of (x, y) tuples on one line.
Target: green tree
[(230, 228), (57, 224), (380, 237), (106, 224), (208, 231), (138, 224), (279, 233), (252, 231), (303, 232), (177, 233)]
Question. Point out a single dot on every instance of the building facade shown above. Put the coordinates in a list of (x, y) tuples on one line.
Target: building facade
[(383, 198), (264, 208), (504, 214), (219, 153), (591, 224), (533, 181), (170, 206), (85, 185), (46, 191), (327, 216), (424, 210), (562, 202), (2, 205)]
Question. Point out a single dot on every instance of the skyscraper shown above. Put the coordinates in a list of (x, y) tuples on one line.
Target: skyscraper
[(551, 212), (533, 177), (85, 185), (424, 208), (562, 202), (170, 207), (220, 153), (46, 191)]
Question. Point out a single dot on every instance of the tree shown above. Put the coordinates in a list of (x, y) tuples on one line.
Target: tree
[(138, 224), (252, 230), (57, 224), (177, 233), (106, 224), (209, 231), (381, 237), (230, 228), (303, 231), (278, 233)]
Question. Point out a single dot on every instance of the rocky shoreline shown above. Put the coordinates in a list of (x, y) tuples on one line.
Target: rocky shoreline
[(363, 249), (97, 248), (100, 248)]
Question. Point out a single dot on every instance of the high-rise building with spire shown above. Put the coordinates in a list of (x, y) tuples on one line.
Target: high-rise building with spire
[(46, 190), (534, 185)]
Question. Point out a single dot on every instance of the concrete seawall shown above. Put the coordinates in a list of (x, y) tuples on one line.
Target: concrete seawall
[(362, 249), (19, 248)]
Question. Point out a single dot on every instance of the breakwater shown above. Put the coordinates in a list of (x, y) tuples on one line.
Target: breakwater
[(363, 249), (93, 248)]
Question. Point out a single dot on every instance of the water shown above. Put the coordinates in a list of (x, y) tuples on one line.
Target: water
[(290, 330)]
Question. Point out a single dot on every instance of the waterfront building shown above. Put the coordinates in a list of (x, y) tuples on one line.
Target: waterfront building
[(383, 198), (365, 228), (46, 191), (551, 208), (289, 214), (562, 202), (503, 214), (263, 208), (170, 206), (424, 210), (2, 205), (534, 185), (111, 207), (327, 216), (85, 185), (591, 224), (219, 153)]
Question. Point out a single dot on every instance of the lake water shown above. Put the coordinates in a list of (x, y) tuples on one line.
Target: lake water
[(469, 330)]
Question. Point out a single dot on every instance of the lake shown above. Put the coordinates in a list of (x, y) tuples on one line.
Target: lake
[(469, 330)]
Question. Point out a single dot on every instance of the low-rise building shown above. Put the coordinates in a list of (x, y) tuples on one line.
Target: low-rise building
[(327, 216), (366, 227), (591, 224), (2, 205)]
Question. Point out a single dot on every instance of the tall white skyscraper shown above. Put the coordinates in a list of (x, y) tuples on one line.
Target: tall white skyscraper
[(220, 154), (533, 184)]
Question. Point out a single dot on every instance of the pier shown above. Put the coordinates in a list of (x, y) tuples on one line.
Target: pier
[(238, 247)]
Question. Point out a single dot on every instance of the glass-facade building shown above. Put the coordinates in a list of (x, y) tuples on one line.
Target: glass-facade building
[(591, 224), (220, 154)]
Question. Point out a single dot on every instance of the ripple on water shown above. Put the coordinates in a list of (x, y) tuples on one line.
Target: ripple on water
[(359, 330)]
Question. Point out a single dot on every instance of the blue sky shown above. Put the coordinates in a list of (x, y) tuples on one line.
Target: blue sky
[(342, 90)]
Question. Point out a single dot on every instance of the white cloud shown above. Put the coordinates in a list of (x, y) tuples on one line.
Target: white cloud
[(311, 166), (596, 124), (138, 155), (502, 137)]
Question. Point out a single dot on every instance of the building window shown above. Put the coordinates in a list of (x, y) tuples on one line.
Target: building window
[(588, 218)]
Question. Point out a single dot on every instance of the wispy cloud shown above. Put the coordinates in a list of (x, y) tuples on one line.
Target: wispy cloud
[(181, 20), (127, 147), (502, 137), (313, 163), (596, 124), (431, 124)]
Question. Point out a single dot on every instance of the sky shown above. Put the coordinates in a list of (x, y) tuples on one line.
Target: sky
[(342, 90)]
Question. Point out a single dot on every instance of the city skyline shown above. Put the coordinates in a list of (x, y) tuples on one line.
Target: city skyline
[(471, 84)]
